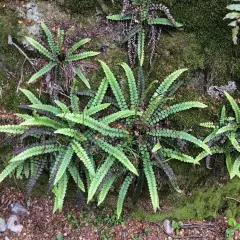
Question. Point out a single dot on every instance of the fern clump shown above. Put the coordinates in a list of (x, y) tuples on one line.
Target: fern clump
[(59, 58), (64, 141), (224, 138), (143, 18), (149, 144)]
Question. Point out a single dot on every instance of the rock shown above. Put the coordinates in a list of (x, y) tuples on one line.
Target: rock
[(3, 225), (17, 208), (13, 224), (167, 226)]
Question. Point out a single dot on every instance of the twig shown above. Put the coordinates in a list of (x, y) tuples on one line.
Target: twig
[(21, 77), (179, 237), (231, 198), (10, 42)]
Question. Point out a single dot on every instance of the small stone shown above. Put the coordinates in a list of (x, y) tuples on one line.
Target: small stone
[(3, 225), (167, 226), (13, 224), (19, 209)]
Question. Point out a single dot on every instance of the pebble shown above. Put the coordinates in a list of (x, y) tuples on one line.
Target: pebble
[(168, 227), (13, 224), (19, 209), (3, 225)]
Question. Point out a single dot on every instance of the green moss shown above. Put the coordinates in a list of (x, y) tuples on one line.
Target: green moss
[(206, 202)]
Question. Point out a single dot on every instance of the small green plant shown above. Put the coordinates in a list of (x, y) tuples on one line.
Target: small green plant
[(234, 226), (224, 138), (177, 226), (142, 19), (235, 17), (149, 144), (65, 140), (59, 57)]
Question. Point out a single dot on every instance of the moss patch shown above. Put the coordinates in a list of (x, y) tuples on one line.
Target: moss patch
[(203, 203)]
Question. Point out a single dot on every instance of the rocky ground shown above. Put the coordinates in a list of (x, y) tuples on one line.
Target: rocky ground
[(42, 224)]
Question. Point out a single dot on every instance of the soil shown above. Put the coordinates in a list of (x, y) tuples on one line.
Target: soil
[(42, 224)]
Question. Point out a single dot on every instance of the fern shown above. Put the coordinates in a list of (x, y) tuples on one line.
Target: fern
[(166, 84), (50, 39), (100, 93), (40, 48), (115, 86), (35, 151), (71, 133), (81, 56), (73, 170), (118, 154), (122, 194), (78, 45), (43, 71), (13, 129), (181, 135), (96, 109), (234, 106), (150, 176), (47, 108), (31, 97), (9, 169), (99, 176), (81, 153), (132, 85), (106, 188), (83, 78)]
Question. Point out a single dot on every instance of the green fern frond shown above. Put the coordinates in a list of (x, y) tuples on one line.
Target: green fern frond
[(45, 107), (118, 154), (174, 154), (40, 48), (74, 101), (100, 93), (64, 164), (214, 150), (94, 124), (153, 105), (176, 108), (223, 115), (119, 115), (122, 194), (208, 125), (77, 45), (13, 129), (24, 116), (81, 56), (115, 86), (141, 44), (36, 150), (118, 17), (74, 172), (60, 192), (226, 129), (131, 84), (43, 121), (233, 167), (41, 72), (99, 176), (163, 21), (63, 106), (96, 109), (71, 133), (150, 176), (179, 134), (31, 97), (233, 140), (60, 40), (106, 188), (9, 169), (83, 78), (166, 84), (234, 106), (50, 38), (81, 153)]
